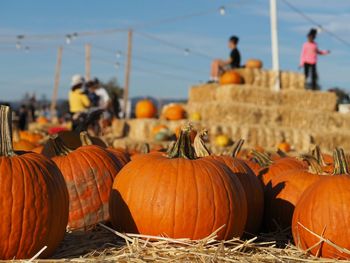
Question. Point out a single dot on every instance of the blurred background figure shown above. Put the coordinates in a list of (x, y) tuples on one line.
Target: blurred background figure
[(308, 58)]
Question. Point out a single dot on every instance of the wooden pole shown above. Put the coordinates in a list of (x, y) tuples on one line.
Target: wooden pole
[(274, 44), (57, 82), (87, 61), (127, 73)]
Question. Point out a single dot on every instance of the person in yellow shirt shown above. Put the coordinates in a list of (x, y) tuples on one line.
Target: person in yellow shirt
[(78, 101)]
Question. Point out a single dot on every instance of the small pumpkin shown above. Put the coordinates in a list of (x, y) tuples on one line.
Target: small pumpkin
[(322, 216), (254, 63), (284, 146), (33, 200), (145, 109), (230, 77), (32, 137), (21, 144), (174, 112), (222, 140), (178, 195), (42, 120), (195, 116)]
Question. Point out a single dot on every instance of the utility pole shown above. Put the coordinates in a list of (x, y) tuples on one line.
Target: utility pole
[(57, 82), (127, 73), (274, 44), (87, 61)]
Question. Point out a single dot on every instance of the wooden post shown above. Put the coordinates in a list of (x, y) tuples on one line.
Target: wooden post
[(87, 61), (274, 44), (127, 74), (56, 83)]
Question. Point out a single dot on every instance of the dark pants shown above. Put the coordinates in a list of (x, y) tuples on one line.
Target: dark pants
[(311, 69)]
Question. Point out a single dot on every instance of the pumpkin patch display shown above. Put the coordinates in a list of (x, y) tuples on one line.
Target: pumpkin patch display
[(230, 77), (322, 216), (178, 195), (33, 200), (89, 172), (145, 109)]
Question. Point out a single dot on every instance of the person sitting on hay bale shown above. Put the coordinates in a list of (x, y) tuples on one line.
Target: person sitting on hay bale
[(219, 66)]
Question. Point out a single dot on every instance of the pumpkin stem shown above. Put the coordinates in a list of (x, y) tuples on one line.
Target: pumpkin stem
[(340, 163), (281, 153), (262, 159), (199, 146), (145, 148), (237, 147), (183, 148), (6, 148), (58, 146), (316, 152), (85, 139), (314, 165)]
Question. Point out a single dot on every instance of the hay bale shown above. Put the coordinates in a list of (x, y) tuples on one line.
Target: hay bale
[(247, 75), (203, 92)]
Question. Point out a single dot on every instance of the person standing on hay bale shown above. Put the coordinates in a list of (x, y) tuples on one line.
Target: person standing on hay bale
[(308, 58), (218, 66)]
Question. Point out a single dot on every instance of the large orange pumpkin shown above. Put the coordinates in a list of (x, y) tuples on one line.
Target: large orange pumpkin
[(21, 144), (174, 112), (178, 195), (322, 216), (230, 77), (145, 109), (33, 200), (251, 184), (254, 63), (284, 192), (89, 172)]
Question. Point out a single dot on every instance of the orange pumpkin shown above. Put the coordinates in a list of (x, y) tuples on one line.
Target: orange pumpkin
[(254, 63), (31, 136), (174, 112), (33, 200), (89, 172), (42, 120), (178, 195), (322, 216), (145, 109), (284, 146), (21, 144), (230, 77)]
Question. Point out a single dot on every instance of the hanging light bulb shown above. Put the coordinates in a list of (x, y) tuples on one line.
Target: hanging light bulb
[(117, 65), (74, 35), (319, 29), (222, 10), (118, 54), (19, 42), (186, 51), (68, 39), (26, 49)]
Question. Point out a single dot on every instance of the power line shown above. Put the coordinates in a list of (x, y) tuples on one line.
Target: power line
[(311, 20)]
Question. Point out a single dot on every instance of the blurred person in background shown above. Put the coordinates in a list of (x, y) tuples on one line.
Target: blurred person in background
[(308, 57)]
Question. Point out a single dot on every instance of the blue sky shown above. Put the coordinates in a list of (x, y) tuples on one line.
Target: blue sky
[(33, 71)]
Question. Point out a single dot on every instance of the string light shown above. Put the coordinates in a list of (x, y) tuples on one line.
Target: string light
[(186, 51), (68, 39), (19, 41), (222, 10), (118, 54), (74, 36), (117, 65), (26, 49), (319, 29)]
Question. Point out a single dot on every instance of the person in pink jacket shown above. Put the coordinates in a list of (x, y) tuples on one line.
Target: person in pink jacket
[(308, 58)]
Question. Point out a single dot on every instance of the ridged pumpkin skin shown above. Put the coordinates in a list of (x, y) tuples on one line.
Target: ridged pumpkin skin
[(278, 167), (282, 195), (122, 156), (174, 112), (230, 77), (145, 109), (89, 172), (33, 205), (324, 209), (252, 188), (180, 198)]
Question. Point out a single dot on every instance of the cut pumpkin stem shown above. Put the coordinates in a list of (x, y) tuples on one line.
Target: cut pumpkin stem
[(263, 159), (85, 139), (340, 163), (58, 146), (183, 147), (316, 152), (6, 148), (200, 148), (237, 147)]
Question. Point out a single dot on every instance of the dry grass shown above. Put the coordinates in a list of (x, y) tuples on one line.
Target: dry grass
[(104, 244)]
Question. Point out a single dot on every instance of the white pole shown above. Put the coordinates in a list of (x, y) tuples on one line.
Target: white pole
[(274, 43)]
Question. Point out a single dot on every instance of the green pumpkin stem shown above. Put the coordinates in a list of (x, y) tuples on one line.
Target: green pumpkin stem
[(237, 147), (183, 147), (314, 165), (85, 139), (199, 146), (316, 152), (262, 159), (59, 146), (281, 153), (340, 163), (145, 148), (6, 148)]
